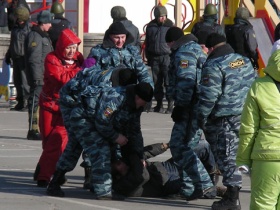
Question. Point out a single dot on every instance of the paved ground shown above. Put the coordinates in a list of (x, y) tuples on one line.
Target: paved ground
[(18, 158)]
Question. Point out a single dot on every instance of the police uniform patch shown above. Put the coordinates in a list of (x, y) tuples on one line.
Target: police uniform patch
[(33, 44), (205, 79), (237, 63), (108, 112), (184, 64)]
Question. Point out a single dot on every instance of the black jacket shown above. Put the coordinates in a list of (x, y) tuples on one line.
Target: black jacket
[(146, 181), (155, 38)]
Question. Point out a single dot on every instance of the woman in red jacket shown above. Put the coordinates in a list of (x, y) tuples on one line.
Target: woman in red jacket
[(60, 66)]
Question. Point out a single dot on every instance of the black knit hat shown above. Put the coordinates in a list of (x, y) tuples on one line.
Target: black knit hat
[(127, 77), (214, 39), (144, 90), (173, 34), (201, 36), (117, 28)]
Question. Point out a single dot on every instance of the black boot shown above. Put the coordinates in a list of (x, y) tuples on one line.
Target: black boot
[(19, 106), (54, 188), (169, 107), (230, 200), (33, 135), (87, 182), (159, 107), (36, 172)]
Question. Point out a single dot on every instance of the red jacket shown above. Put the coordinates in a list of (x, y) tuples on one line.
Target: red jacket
[(57, 71)]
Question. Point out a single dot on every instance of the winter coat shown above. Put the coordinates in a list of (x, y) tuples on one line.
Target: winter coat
[(242, 38), (108, 56), (225, 80), (38, 46), (207, 26), (153, 177), (57, 71), (260, 120), (155, 38), (186, 62), (58, 25), (110, 111), (18, 39)]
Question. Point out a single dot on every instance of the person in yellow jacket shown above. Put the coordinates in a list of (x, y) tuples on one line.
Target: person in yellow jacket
[(259, 144)]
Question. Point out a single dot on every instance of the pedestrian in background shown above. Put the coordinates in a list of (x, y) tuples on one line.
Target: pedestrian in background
[(157, 53), (258, 151), (208, 24), (16, 53), (13, 4), (187, 59), (225, 80), (59, 23), (38, 46), (4, 17), (242, 37), (60, 66), (118, 14)]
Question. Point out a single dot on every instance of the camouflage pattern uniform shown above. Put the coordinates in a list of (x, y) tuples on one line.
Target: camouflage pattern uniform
[(96, 119), (70, 95), (187, 59), (225, 81), (108, 56)]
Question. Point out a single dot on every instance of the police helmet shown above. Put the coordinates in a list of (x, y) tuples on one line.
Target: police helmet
[(242, 13), (22, 13), (160, 11), (210, 9), (118, 12), (57, 8)]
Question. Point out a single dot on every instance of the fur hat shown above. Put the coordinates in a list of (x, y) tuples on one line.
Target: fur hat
[(214, 39), (45, 17), (160, 11), (117, 28), (242, 13), (173, 34), (144, 90), (118, 12)]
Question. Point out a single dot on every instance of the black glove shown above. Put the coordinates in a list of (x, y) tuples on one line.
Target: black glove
[(177, 113)]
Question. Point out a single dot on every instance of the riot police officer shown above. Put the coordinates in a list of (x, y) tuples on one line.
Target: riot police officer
[(59, 22), (241, 36), (209, 23)]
